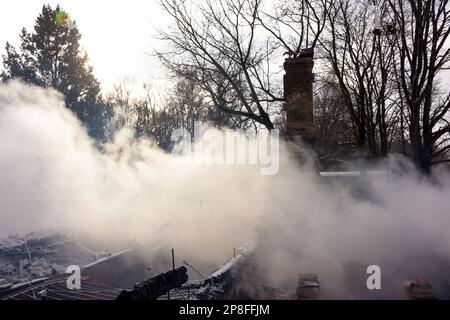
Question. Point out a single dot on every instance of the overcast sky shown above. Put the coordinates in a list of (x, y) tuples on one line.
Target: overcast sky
[(117, 34)]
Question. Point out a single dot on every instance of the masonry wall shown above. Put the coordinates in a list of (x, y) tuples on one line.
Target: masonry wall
[(298, 94)]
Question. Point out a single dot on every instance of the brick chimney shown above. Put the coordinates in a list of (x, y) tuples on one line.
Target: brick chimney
[(298, 94)]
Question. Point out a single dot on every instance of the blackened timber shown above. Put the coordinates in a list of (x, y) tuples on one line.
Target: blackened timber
[(151, 289)]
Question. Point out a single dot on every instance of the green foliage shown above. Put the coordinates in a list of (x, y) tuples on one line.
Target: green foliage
[(51, 57)]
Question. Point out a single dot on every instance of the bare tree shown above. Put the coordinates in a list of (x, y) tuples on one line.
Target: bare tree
[(231, 48), (157, 113), (188, 103), (296, 24), (147, 116), (215, 44), (422, 41), (362, 60), (332, 123), (120, 101)]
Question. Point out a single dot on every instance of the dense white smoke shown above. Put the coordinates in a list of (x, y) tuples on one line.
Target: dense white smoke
[(399, 223), (53, 177)]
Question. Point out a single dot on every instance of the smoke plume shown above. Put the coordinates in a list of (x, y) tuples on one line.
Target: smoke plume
[(54, 177)]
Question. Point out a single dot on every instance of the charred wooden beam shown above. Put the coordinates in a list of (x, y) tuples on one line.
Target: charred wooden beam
[(152, 288)]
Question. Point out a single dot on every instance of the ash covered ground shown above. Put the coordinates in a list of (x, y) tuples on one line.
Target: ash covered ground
[(41, 254)]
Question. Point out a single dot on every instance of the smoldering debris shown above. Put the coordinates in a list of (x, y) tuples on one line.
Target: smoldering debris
[(38, 255), (53, 176)]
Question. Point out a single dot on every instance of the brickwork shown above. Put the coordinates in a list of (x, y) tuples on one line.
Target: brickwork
[(298, 94)]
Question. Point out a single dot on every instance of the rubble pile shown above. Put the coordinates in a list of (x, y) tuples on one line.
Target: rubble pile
[(220, 283), (420, 289), (239, 280), (308, 286), (39, 255)]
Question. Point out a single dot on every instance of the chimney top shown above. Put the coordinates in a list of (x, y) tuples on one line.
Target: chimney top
[(304, 53)]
